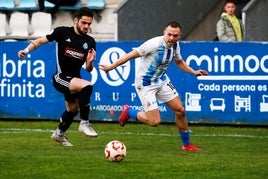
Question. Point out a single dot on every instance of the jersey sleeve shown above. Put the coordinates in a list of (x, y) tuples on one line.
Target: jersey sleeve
[(55, 34), (178, 52), (147, 47)]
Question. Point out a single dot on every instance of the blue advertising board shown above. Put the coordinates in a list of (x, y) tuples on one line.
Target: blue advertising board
[(235, 92)]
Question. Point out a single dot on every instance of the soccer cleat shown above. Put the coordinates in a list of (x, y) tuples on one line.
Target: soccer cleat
[(61, 139), (191, 147), (86, 128), (123, 118)]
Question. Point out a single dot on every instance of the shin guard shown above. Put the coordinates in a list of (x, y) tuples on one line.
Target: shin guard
[(66, 120), (84, 101)]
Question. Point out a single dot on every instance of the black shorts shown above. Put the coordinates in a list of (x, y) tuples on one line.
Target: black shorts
[(61, 83)]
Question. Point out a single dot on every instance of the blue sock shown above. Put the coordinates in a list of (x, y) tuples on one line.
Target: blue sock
[(185, 137), (132, 113)]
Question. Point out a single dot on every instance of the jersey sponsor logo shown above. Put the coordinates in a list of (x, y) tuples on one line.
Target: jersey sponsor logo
[(74, 53), (163, 65)]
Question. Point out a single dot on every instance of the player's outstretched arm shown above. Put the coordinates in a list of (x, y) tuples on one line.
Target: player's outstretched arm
[(186, 68), (131, 55), (32, 46)]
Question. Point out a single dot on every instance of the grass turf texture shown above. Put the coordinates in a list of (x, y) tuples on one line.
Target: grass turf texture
[(228, 152)]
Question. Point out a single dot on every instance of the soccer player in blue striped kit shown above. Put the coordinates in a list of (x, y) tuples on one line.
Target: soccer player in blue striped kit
[(153, 85)]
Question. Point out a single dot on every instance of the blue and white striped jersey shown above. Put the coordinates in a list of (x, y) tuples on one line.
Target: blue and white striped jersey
[(155, 58)]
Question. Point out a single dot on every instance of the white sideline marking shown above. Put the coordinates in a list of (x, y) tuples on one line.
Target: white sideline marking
[(17, 130)]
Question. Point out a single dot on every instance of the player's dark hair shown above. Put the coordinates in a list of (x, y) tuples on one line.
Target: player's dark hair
[(174, 24), (83, 11), (230, 1)]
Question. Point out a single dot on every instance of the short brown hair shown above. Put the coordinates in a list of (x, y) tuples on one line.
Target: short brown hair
[(174, 24), (230, 1), (83, 11)]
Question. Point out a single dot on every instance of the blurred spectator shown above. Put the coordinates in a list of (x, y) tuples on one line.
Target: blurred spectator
[(229, 27), (57, 4)]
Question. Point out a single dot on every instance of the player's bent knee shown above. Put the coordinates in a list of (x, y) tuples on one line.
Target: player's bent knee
[(72, 107), (155, 123), (180, 112)]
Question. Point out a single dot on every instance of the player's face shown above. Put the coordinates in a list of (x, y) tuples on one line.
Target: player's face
[(230, 8), (83, 24), (172, 35)]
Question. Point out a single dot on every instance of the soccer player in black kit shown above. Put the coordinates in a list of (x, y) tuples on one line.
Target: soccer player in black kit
[(74, 48)]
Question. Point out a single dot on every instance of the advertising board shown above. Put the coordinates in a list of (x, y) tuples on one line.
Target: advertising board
[(235, 92)]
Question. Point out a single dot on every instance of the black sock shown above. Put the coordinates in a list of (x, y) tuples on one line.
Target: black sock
[(66, 120), (84, 101)]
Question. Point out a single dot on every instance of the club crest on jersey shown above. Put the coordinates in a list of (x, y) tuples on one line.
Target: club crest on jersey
[(85, 46)]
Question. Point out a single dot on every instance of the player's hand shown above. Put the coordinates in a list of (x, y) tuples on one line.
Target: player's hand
[(105, 68), (201, 73), (22, 53), (91, 55), (89, 60)]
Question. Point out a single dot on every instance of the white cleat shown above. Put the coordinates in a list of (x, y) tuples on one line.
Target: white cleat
[(86, 128), (61, 139)]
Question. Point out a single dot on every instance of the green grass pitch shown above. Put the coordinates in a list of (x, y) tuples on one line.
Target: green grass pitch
[(26, 151)]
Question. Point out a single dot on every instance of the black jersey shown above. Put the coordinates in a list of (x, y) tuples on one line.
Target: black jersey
[(72, 50)]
